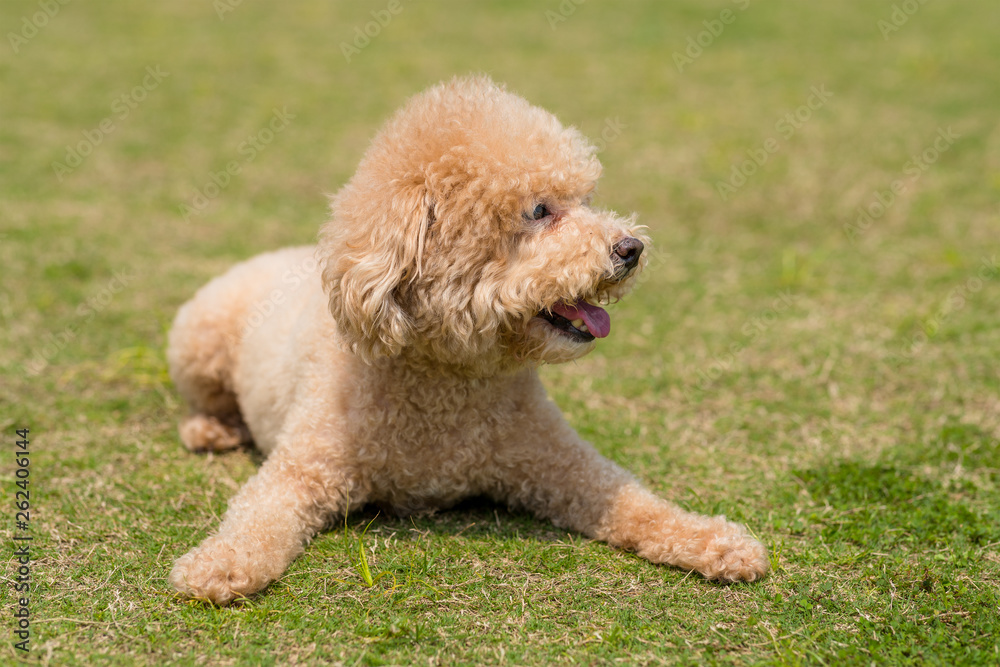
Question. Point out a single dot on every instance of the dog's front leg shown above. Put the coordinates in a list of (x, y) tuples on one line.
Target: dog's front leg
[(265, 528), (554, 473)]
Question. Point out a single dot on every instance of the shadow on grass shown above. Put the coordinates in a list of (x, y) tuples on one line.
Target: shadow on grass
[(882, 505), (922, 497), (896, 553)]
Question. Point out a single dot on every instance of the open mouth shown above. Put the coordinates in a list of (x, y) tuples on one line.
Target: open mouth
[(580, 321)]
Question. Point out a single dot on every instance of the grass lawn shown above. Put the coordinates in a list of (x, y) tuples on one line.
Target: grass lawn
[(813, 350)]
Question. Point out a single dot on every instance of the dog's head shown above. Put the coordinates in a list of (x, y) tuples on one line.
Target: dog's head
[(466, 237)]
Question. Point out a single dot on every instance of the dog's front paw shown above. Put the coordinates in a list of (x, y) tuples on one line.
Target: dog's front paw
[(216, 571), (733, 555)]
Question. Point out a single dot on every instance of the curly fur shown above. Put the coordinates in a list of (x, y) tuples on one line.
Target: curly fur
[(395, 362)]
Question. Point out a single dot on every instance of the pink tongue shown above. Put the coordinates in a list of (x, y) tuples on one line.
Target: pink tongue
[(596, 318)]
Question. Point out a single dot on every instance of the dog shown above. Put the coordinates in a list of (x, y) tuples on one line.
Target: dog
[(395, 362)]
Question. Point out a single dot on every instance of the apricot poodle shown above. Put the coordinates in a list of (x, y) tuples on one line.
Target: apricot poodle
[(395, 363)]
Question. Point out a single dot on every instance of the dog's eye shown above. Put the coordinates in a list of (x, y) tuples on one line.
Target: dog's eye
[(541, 211)]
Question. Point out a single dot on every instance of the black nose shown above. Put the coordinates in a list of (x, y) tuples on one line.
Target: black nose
[(629, 249)]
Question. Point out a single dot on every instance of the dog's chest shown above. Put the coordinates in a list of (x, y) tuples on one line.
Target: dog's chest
[(428, 446)]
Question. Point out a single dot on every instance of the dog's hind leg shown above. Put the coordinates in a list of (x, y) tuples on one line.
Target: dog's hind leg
[(206, 433), (200, 354)]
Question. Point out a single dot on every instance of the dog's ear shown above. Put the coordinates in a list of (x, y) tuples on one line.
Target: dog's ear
[(371, 247)]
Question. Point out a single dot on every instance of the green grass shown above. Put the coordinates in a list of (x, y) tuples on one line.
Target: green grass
[(856, 429)]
